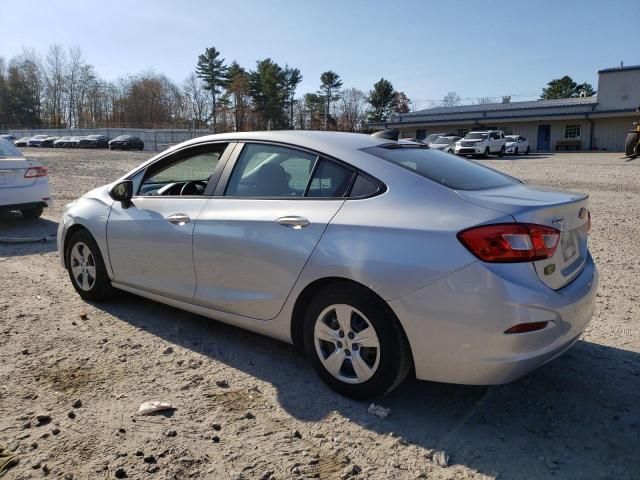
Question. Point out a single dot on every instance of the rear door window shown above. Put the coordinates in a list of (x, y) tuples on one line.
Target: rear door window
[(448, 170), (330, 180)]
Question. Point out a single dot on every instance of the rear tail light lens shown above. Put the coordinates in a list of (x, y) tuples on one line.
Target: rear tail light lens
[(511, 242), (35, 172)]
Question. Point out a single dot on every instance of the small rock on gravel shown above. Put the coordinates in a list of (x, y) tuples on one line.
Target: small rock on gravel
[(249, 415), (441, 458), (222, 383), (43, 419), (77, 403), (171, 433), (379, 411), (150, 459), (168, 350), (296, 434), (121, 473)]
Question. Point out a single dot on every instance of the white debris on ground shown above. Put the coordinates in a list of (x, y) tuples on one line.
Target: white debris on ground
[(148, 408), (379, 411)]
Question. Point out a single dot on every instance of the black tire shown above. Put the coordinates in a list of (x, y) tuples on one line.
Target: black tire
[(501, 152), (515, 152), (101, 288), (394, 352), (31, 212), (527, 151), (632, 144), (486, 153)]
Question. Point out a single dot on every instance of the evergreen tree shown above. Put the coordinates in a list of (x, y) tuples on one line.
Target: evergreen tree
[(212, 70), (330, 84), (381, 99)]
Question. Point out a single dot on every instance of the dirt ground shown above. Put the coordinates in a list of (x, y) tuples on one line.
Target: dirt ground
[(575, 418)]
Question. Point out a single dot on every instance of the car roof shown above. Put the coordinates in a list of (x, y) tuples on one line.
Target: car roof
[(337, 144)]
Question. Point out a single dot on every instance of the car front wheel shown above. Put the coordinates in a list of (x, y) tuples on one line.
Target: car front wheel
[(355, 343), (86, 267)]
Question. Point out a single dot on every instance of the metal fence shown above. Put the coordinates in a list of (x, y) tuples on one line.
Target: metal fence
[(154, 139)]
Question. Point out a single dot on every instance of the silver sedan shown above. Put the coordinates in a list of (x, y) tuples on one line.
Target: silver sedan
[(377, 257)]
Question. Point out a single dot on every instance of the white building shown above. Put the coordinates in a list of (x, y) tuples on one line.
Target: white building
[(600, 122)]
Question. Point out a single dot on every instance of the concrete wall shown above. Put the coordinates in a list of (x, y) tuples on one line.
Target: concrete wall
[(154, 140)]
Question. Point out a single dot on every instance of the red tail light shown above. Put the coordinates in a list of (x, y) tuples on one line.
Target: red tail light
[(511, 242), (35, 172)]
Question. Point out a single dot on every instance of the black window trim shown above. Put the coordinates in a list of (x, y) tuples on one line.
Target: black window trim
[(231, 162)]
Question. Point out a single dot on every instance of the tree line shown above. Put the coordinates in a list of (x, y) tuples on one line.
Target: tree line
[(61, 89)]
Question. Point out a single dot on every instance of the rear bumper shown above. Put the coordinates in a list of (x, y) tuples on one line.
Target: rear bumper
[(455, 325), (36, 194)]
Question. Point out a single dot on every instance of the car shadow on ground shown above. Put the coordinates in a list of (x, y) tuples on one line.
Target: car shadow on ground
[(14, 229), (572, 418)]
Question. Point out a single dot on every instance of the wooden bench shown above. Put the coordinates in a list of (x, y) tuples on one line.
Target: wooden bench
[(568, 144)]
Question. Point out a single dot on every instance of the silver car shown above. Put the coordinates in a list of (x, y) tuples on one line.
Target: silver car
[(374, 256)]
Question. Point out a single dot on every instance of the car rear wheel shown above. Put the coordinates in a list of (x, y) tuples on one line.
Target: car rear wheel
[(501, 152), (355, 343), (527, 151), (86, 267), (486, 152), (515, 152), (31, 212)]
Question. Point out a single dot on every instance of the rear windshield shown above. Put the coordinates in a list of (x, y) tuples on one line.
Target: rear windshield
[(8, 150), (448, 170)]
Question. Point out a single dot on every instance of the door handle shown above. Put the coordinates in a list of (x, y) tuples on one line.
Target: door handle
[(179, 219), (293, 222)]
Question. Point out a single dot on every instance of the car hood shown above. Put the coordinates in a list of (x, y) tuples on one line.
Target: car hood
[(511, 144)]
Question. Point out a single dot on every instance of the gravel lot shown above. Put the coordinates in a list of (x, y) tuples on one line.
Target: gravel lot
[(577, 417)]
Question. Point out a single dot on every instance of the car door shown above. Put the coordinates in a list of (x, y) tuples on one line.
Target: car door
[(150, 241), (253, 238)]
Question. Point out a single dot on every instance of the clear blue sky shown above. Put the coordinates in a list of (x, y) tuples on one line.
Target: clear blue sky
[(424, 48)]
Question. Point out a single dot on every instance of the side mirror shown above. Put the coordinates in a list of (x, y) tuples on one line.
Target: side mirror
[(122, 192)]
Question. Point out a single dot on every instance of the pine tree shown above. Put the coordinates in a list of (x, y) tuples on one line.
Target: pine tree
[(213, 72)]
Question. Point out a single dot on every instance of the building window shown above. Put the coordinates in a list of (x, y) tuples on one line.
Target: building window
[(463, 131), (507, 130), (407, 134), (572, 131)]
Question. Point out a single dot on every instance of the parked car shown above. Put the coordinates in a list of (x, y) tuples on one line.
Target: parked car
[(37, 140), (8, 138), (446, 144), (62, 142), (517, 144), (21, 142), (431, 137), (24, 184), (73, 142), (378, 258), (48, 142), (126, 142), (482, 143), (94, 141)]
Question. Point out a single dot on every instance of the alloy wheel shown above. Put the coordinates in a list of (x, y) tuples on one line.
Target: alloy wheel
[(346, 343), (83, 266)]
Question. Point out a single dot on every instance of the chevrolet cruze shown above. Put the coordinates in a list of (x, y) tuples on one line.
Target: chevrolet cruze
[(376, 257)]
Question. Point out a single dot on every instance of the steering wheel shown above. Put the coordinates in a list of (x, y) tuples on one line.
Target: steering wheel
[(191, 187)]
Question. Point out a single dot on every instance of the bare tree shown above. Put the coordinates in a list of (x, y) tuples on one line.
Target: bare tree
[(73, 76), (451, 99), (484, 101), (54, 74), (198, 101), (352, 109)]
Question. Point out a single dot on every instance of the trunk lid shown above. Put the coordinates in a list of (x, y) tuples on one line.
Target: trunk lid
[(565, 211), (12, 170)]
